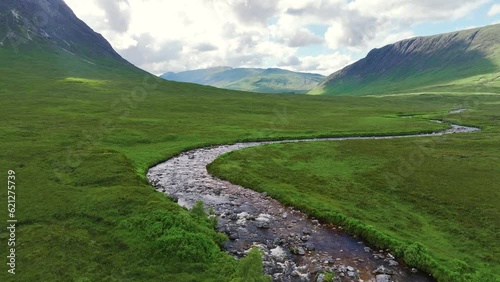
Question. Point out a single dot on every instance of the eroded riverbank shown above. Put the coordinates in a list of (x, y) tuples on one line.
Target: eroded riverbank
[(297, 247)]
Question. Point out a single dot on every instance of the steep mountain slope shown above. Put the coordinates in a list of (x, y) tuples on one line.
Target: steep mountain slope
[(272, 80), (53, 23), (462, 61)]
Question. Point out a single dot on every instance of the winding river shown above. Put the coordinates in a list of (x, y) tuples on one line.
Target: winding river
[(296, 247)]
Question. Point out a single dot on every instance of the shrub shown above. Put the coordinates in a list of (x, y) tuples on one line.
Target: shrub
[(250, 268)]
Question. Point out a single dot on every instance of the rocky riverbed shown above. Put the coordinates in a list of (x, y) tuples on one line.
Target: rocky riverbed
[(296, 247)]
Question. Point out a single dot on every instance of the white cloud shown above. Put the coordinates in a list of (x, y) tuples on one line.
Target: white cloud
[(494, 10), (411, 12), (161, 36), (322, 64), (351, 32), (117, 14), (291, 61)]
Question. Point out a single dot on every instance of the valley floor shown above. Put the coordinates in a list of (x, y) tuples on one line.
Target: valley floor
[(249, 218), (441, 192)]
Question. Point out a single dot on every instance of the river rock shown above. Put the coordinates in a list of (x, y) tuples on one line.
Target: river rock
[(393, 263), (278, 253), (306, 231), (279, 241), (263, 225), (233, 236), (298, 251), (278, 277), (242, 232), (310, 246), (383, 278), (302, 277), (382, 270)]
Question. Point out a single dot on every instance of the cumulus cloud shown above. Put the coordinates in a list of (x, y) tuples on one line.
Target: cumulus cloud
[(205, 47), (306, 35), (351, 32), (117, 14), (250, 11), (416, 11), (316, 10), (291, 61), (324, 64), (144, 52), (303, 37), (494, 10)]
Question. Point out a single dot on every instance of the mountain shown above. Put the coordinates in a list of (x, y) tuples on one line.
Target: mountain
[(463, 61), (50, 23), (272, 80)]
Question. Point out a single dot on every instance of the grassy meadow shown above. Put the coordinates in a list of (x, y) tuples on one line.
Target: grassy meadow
[(432, 200), (80, 133)]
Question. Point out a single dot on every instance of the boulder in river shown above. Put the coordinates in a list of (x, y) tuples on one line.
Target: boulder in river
[(233, 236), (278, 253), (382, 270), (306, 231), (310, 246), (263, 224), (383, 278), (393, 263), (298, 251)]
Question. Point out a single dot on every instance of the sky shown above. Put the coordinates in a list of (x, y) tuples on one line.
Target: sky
[(319, 36)]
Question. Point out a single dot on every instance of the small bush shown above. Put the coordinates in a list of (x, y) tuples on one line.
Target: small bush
[(250, 268)]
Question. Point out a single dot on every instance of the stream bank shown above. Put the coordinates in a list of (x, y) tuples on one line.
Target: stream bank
[(296, 247)]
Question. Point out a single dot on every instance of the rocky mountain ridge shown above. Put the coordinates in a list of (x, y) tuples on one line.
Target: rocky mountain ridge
[(427, 61), (40, 22)]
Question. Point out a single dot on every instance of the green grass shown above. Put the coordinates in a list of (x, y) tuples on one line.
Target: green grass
[(81, 132), (442, 192)]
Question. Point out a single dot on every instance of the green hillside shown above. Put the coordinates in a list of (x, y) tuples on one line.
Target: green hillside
[(272, 80), (465, 61), (80, 126)]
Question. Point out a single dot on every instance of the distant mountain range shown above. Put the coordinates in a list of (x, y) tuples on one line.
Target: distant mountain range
[(466, 61), (272, 80)]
